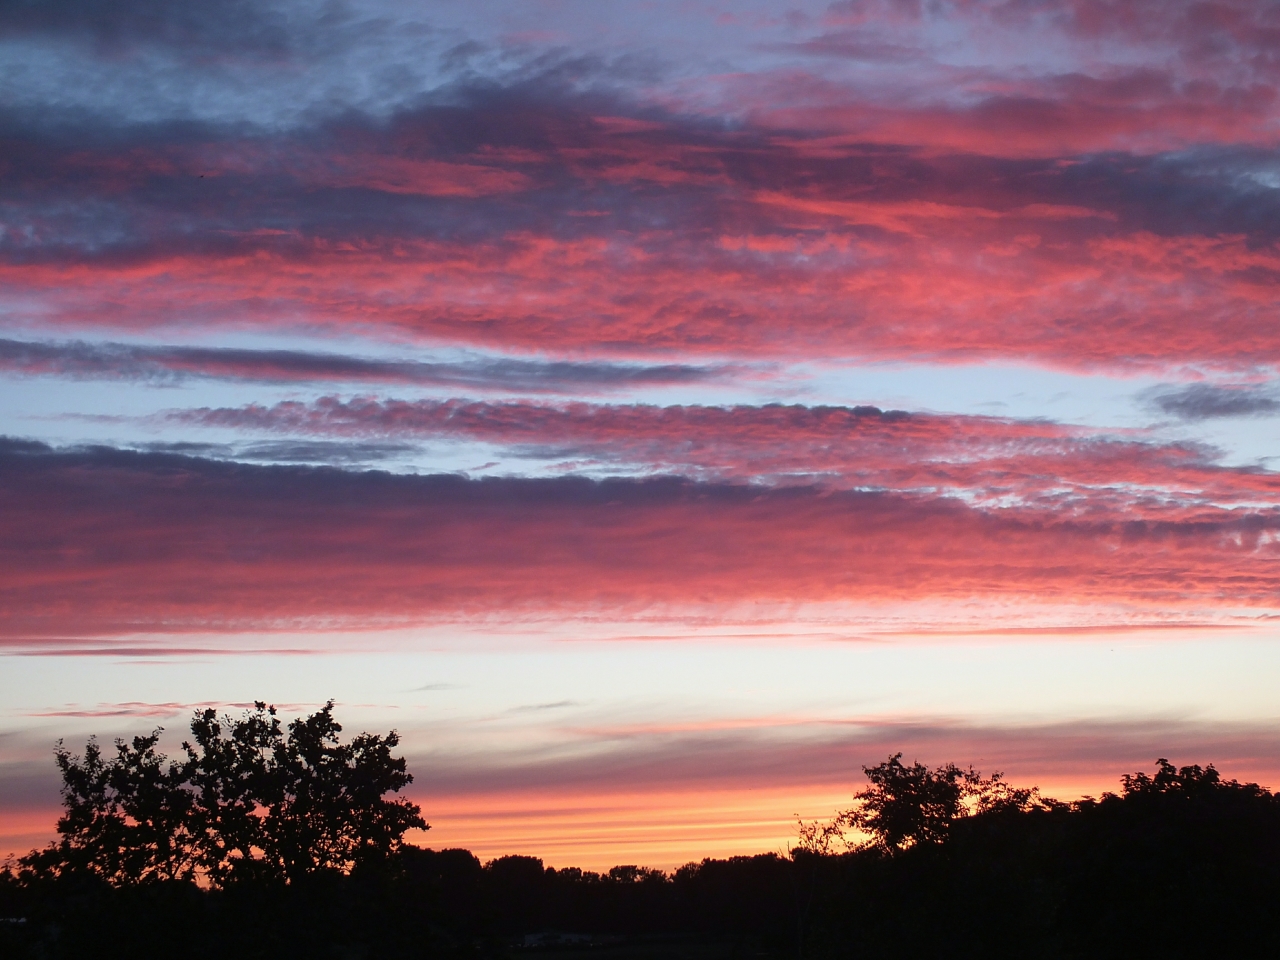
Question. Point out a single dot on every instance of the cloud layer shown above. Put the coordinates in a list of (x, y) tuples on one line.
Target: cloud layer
[(101, 541), (1019, 219), (1051, 466)]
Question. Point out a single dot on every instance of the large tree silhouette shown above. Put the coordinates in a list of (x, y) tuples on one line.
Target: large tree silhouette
[(249, 800)]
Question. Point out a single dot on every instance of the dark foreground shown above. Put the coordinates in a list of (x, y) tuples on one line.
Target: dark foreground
[(1186, 870)]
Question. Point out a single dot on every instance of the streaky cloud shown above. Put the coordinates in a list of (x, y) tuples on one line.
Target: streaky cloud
[(779, 751), (79, 359), (61, 647), (1052, 464), (290, 451), (134, 709)]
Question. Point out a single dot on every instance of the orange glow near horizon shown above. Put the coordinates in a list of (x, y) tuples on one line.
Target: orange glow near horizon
[(596, 831)]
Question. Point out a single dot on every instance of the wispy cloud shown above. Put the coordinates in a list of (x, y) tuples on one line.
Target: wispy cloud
[(542, 707), (133, 709), (1206, 401)]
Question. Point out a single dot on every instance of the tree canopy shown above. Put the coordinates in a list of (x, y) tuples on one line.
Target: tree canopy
[(249, 799)]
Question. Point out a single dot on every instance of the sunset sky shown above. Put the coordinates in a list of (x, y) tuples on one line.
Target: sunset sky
[(654, 411)]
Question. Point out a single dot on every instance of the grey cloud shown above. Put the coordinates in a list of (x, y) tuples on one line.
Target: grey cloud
[(188, 448), (29, 783), (313, 451), (856, 45), (329, 452), (539, 707), (1203, 401), (79, 187), (224, 26)]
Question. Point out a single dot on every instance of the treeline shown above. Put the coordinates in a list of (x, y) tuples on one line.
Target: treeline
[(942, 862)]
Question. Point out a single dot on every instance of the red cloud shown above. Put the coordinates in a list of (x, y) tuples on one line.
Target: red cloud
[(1049, 283), (566, 231), (1134, 300)]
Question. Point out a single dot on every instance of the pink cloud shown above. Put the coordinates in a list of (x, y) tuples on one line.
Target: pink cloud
[(104, 543)]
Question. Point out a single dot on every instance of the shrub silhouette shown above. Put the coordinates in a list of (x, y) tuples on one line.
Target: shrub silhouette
[(247, 801)]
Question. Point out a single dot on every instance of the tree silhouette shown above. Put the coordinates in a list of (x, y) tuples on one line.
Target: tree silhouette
[(1187, 782), (126, 818), (908, 805), (248, 801), (1180, 863)]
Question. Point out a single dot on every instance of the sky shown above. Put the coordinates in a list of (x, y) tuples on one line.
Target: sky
[(654, 411)]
